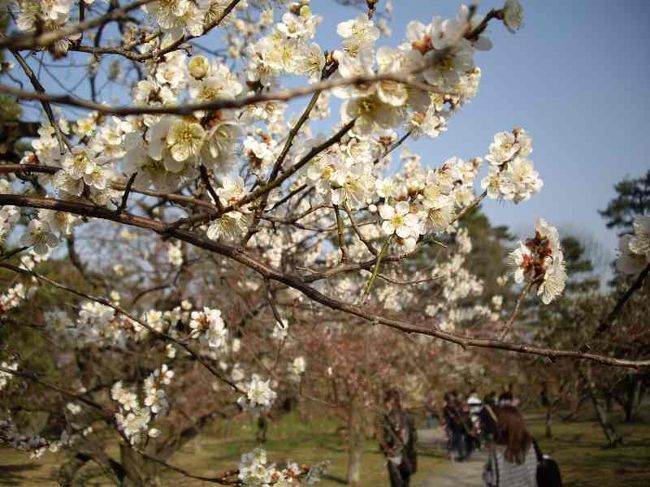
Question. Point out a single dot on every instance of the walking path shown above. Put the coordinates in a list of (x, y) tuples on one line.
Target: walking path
[(458, 474)]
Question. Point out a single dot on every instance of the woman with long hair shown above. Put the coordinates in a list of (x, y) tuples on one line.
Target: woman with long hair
[(513, 461)]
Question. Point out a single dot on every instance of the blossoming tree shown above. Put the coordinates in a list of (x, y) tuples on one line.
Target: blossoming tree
[(210, 157)]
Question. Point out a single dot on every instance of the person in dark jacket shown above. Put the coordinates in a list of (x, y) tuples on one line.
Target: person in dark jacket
[(488, 419), (397, 440), (456, 428)]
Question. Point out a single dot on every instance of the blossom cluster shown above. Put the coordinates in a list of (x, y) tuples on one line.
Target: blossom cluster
[(6, 376), (179, 18), (457, 284), (512, 175), (258, 394), (634, 249), (255, 470), (209, 326), (9, 215), (539, 261), (14, 296), (297, 368), (136, 413), (38, 445), (46, 15), (421, 83)]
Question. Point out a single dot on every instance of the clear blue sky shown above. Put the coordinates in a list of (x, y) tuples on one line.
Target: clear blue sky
[(576, 77)]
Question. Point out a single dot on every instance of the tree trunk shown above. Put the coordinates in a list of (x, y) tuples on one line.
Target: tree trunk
[(355, 446), (70, 468), (632, 393), (139, 472), (574, 398), (613, 438), (549, 420), (609, 402)]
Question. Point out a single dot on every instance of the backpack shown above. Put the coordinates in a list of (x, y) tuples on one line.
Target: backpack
[(548, 471)]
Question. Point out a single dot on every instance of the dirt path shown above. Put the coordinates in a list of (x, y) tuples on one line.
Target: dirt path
[(458, 474)]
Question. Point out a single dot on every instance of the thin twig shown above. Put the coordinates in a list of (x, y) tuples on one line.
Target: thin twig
[(127, 190), (205, 177), (515, 311), (341, 237), (375, 270)]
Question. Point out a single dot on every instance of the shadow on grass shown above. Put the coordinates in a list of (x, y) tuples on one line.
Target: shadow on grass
[(335, 479), (9, 473)]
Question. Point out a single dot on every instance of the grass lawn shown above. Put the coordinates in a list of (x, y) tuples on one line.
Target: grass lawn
[(219, 449), (293, 440), (576, 446)]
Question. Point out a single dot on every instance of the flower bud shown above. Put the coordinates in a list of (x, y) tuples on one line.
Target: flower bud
[(199, 67)]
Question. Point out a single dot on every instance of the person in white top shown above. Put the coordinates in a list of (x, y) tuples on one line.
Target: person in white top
[(513, 460), (475, 405)]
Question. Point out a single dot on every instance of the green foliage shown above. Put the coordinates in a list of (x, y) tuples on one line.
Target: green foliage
[(633, 198), (578, 448), (489, 249), (27, 341), (308, 440), (578, 266), (9, 109)]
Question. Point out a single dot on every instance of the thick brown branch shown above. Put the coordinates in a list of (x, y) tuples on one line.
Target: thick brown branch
[(299, 284), (190, 108)]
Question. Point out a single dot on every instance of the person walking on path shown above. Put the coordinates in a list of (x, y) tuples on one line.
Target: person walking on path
[(474, 405), (397, 440), (430, 410), (507, 397), (488, 419), (455, 427), (513, 459)]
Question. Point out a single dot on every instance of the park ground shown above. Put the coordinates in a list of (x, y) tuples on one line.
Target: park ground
[(577, 446)]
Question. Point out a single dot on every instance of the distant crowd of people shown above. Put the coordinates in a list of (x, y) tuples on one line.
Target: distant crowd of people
[(493, 423), (469, 422)]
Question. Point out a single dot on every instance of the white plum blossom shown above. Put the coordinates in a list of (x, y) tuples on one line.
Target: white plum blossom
[(640, 242), (507, 145), (357, 34), (258, 394), (8, 216), (177, 17), (280, 332), (154, 398), (127, 399), (209, 326), (540, 262), (230, 226), (511, 175), (519, 259), (513, 15), (184, 139), (399, 220), (634, 249), (40, 236), (297, 368), (5, 377), (73, 408), (175, 254)]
